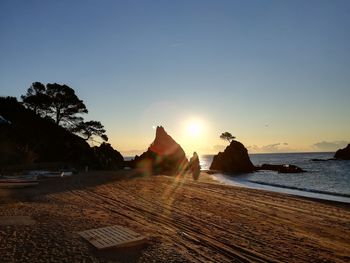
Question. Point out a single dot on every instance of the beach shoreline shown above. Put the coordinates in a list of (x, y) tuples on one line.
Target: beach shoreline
[(184, 220), (342, 200)]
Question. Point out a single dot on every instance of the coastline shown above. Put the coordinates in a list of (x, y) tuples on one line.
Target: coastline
[(326, 180), (184, 220), (234, 181)]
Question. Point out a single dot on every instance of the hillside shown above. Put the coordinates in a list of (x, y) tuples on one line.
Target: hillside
[(29, 139)]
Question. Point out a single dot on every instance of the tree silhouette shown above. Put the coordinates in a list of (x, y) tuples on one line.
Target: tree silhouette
[(59, 102), (64, 105), (90, 128), (36, 99), (227, 136)]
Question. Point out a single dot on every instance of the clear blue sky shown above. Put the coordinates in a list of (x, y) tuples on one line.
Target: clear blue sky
[(274, 73)]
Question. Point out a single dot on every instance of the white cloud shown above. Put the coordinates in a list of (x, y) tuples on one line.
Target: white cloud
[(329, 146), (270, 148)]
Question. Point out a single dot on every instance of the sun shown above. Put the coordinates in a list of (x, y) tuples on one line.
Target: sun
[(194, 134), (194, 128)]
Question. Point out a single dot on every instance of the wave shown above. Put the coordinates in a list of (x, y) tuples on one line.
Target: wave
[(300, 189)]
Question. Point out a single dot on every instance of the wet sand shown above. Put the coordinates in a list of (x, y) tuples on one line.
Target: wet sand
[(185, 221)]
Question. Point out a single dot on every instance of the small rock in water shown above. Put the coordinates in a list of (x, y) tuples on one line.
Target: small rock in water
[(281, 168)]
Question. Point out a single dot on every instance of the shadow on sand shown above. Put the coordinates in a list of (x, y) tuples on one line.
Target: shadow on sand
[(58, 185)]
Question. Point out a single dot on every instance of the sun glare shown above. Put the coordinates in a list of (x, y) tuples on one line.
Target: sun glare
[(194, 128), (194, 134)]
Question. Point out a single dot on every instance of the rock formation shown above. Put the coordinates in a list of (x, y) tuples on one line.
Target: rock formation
[(343, 154), (108, 158), (281, 168), (234, 159), (195, 166), (164, 155)]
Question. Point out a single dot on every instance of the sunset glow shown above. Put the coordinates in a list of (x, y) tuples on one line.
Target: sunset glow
[(174, 131), (198, 69)]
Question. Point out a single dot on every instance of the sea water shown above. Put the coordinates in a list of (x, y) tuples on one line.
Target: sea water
[(328, 180)]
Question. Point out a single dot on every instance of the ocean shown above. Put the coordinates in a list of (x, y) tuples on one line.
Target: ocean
[(328, 180)]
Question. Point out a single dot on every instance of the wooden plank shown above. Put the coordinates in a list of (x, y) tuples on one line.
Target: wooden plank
[(112, 236)]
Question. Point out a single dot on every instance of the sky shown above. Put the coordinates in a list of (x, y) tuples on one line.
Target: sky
[(276, 74)]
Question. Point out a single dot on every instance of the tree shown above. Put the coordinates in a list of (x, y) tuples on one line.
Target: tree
[(62, 105), (65, 105), (59, 102), (227, 136), (90, 128), (36, 99)]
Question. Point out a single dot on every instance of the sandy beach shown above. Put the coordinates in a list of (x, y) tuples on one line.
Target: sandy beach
[(184, 221)]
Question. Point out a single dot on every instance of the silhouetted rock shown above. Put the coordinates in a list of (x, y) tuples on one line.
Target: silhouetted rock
[(163, 156), (195, 166), (281, 168), (343, 154), (108, 158), (234, 159)]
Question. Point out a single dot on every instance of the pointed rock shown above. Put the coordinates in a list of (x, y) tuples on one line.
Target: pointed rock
[(164, 155)]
